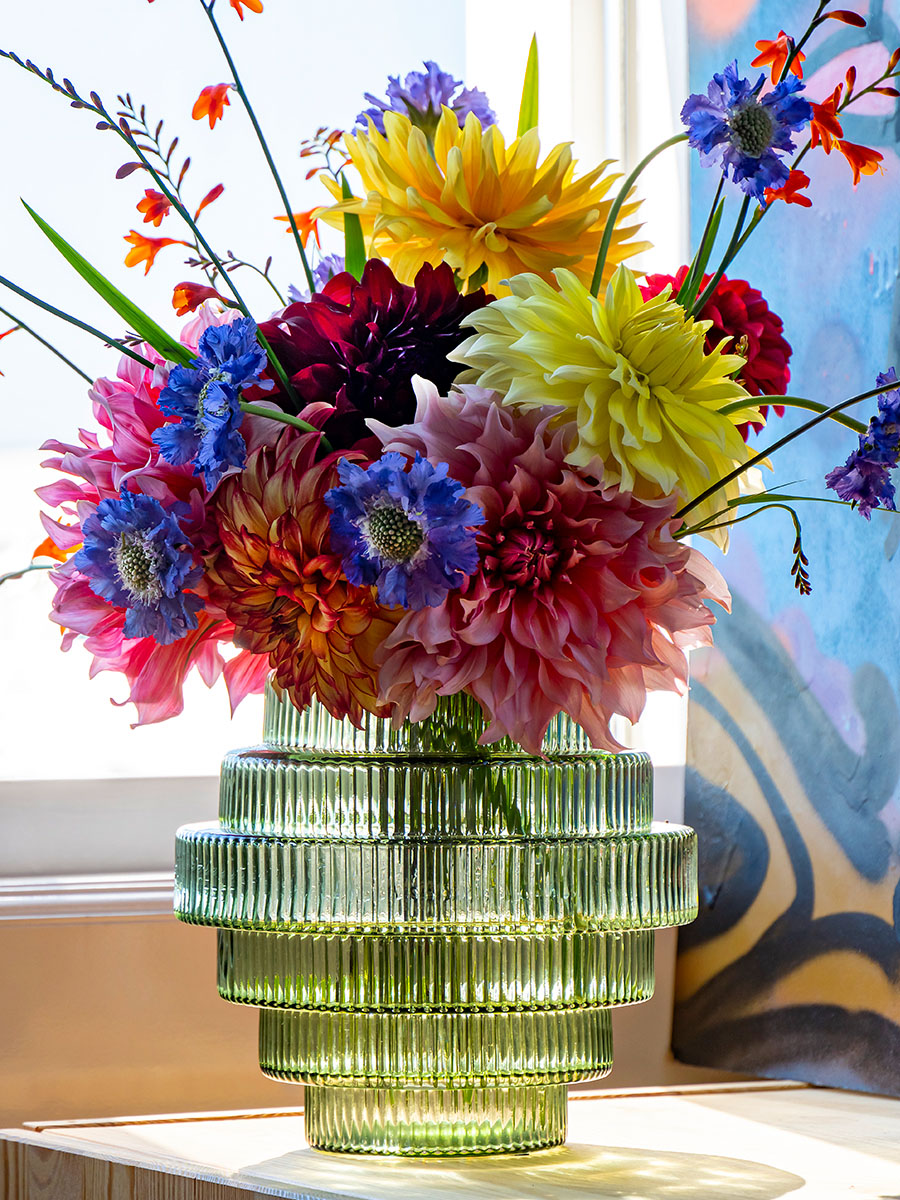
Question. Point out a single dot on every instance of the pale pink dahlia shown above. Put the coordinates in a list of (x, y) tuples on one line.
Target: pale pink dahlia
[(582, 602)]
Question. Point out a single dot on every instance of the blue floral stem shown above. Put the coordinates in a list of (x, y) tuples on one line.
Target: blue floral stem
[(57, 312), (797, 402), (259, 410), (789, 437), (730, 254), (620, 199), (208, 9), (48, 345)]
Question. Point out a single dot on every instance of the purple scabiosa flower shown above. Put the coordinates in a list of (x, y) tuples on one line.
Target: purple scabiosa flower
[(421, 97), (324, 270), (744, 131), (411, 532), (206, 398), (136, 556), (864, 480)]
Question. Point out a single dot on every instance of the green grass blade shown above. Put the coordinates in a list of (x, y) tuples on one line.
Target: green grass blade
[(354, 245), (135, 318), (528, 109)]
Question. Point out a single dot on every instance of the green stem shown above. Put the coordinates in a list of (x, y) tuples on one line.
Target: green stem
[(617, 205), (48, 345), (730, 254), (57, 312), (789, 437), (762, 503), (795, 402), (208, 9), (687, 288), (24, 571), (799, 46), (259, 410)]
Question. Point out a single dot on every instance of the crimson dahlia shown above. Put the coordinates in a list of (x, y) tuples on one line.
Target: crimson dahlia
[(739, 312), (355, 346)]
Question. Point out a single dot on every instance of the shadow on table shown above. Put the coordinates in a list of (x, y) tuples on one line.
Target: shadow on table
[(569, 1172)]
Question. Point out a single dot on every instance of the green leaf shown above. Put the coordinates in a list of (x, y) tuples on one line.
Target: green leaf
[(691, 286), (528, 109), (354, 245), (135, 318)]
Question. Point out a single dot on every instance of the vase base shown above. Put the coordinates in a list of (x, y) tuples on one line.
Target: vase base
[(427, 1122)]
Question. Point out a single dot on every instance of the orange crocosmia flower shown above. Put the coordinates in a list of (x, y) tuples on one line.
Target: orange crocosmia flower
[(790, 191), (240, 5), (187, 297), (306, 224), (824, 125), (776, 53), (145, 249), (154, 206), (211, 102), (49, 549), (862, 160)]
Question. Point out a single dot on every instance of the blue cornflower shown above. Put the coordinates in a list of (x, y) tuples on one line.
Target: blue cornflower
[(136, 556), (324, 270), (206, 396), (410, 532), (745, 132), (421, 97), (865, 479)]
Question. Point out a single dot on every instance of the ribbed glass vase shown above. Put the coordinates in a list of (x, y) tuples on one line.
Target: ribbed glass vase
[(434, 931)]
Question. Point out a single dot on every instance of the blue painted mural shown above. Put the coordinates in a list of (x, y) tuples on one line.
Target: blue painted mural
[(793, 968)]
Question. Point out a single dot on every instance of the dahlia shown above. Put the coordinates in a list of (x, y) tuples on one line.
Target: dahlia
[(582, 600), (99, 464), (638, 393), (355, 346), (741, 317), (272, 571), (490, 211)]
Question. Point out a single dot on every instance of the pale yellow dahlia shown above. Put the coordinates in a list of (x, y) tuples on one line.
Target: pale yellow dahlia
[(478, 203), (631, 377)]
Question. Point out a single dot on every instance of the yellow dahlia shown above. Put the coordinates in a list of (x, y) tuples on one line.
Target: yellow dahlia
[(630, 375), (476, 203)]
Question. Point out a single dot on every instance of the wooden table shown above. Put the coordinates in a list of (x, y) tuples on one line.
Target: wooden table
[(738, 1141)]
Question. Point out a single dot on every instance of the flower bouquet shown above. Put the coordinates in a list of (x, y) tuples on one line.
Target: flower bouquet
[(438, 506)]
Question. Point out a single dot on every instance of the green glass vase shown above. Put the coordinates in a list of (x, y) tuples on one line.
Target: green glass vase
[(434, 931)]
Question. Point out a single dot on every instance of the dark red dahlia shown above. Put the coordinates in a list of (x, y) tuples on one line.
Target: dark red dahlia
[(740, 313), (355, 346)]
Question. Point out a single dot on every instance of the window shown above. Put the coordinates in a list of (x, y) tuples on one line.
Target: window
[(57, 726)]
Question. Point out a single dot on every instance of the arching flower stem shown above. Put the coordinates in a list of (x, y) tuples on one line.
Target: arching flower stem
[(756, 459), (259, 410), (620, 200), (48, 345), (239, 87), (730, 254), (809, 405)]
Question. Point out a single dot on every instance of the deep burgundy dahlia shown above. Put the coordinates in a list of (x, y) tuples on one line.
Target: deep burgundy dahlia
[(355, 346), (738, 311)]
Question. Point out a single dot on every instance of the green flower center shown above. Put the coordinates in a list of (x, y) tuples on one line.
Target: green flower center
[(137, 566), (215, 377), (752, 127), (394, 534)]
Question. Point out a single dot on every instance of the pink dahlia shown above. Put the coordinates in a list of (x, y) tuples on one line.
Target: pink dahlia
[(127, 412), (582, 601)]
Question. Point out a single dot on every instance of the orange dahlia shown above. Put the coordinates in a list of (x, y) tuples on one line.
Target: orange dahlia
[(274, 575)]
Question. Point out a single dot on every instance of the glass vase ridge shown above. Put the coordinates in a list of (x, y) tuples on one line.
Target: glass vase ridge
[(434, 930)]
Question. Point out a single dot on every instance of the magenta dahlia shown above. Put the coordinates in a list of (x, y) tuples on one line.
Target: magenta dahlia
[(581, 602), (740, 315), (355, 346)]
